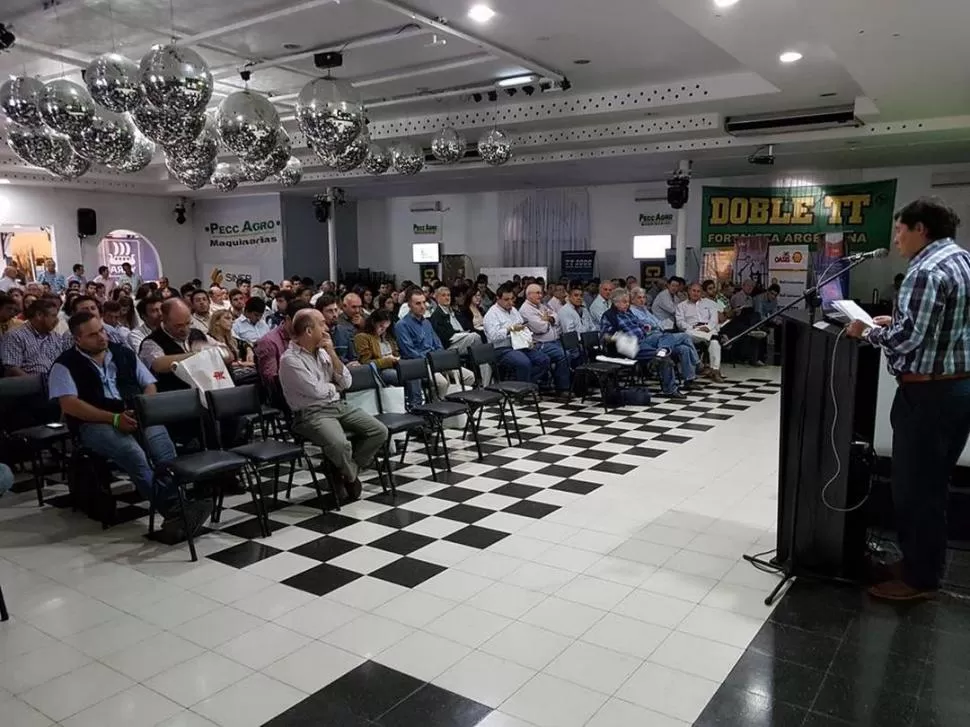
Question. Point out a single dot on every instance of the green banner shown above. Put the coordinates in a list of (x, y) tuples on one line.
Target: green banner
[(861, 213)]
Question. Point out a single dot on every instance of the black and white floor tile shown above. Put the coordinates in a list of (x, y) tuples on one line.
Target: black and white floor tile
[(591, 575)]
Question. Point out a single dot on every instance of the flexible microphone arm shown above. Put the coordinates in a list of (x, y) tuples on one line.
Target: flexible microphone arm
[(810, 292)]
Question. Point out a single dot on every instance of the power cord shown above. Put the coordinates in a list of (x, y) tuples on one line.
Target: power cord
[(835, 449)]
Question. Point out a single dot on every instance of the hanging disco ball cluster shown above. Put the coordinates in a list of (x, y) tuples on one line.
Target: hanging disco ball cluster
[(124, 111), (331, 117)]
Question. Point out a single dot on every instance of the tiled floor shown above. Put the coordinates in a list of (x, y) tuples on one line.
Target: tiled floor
[(591, 576)]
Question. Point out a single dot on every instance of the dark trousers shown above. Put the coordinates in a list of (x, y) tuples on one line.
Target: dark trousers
[(931, 424)]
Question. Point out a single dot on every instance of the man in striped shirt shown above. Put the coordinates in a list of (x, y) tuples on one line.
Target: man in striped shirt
[(927, 345)]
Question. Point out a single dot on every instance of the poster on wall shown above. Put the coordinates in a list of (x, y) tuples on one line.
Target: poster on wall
[(788, 269), (239, 236), (578, 264), (862, 213), (654, 217), (718, 265), (28, 250), (751, 259), (229, 276), (126, 246)]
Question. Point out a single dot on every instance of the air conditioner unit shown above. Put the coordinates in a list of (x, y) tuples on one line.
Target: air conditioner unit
[(832, 117), (426, 206)]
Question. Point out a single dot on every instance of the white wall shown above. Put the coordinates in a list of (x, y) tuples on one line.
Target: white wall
[(153, 217), (471, 224)]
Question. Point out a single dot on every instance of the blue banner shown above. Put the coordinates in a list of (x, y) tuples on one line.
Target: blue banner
[(578, 264)]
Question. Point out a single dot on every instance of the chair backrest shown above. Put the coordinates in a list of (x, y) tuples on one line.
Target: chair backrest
[(13, 388), (481, 353), (234, 402), (591, 341), (444, 361), (570, 341), (362, 378), (412, 369), (168, 407)]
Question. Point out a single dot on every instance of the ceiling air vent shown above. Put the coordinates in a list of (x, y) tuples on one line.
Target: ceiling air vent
[(832, 117)]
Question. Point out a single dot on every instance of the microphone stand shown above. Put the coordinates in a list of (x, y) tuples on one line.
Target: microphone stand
[(788, 568)]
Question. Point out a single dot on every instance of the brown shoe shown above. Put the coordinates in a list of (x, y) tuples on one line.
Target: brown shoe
[(899, 591), (353, 488), (716, 377)]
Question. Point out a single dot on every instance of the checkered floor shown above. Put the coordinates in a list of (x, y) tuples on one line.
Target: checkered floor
[(430, 524)]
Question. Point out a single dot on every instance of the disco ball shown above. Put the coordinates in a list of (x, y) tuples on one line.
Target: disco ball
[(448, 146), (291, 174), (167, 127), (248, 124), (20, 101), (330, 113), (113, 82), (353, 156), (406, 159), (378, 160), (226, 177), (495, 148), (198, 151), (328, 158), (273, 163), (140, 156), (108, 140), (176, 78), (73, 167), (66, 107), (39, 147)]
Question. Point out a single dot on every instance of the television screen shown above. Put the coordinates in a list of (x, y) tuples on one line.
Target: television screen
[(426, 252), (651, 247)]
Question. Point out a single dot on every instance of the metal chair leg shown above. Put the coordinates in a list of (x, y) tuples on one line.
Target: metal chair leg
[(504, 421), (185, 523), (535, 400), (4, 615), (515, 419), (37, 458), (276, 483), (404, 449), (474, 427), (256, 492), (427, 449), (289, 482), (444, 444)]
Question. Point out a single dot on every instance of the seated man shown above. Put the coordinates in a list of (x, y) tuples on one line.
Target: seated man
[(557, 298), (199, 301), (149, 311), (545, 335), (651, 339), (84, 304), (33, 347), (698, 318), (416, 339), (250, 326), (574, 315), (665, 303), (312, 377), (271, 347), (447, 326), (349, 323), (95, 383), (502, 319)]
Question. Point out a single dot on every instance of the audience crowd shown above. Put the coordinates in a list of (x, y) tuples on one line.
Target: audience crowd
[(98, 343)]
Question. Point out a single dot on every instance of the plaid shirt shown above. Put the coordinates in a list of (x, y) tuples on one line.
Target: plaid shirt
[(930, 332), (626, 322), (30, 351)]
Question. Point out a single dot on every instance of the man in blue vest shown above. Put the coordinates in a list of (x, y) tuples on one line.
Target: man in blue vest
[(95, 383)]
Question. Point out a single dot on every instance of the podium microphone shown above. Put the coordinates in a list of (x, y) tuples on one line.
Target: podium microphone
[(881, 252)]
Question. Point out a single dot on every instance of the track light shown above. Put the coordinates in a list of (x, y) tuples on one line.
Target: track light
[(492, 96), (477, 97), (528, 90), (511, 91)]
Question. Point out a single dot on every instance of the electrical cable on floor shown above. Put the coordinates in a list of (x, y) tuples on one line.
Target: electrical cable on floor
[(773, 569)]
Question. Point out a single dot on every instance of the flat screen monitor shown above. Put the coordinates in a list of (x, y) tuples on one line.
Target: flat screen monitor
[(426, 252), (651, 247)]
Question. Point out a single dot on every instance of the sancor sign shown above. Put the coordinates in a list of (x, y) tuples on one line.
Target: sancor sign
[(862, 213)]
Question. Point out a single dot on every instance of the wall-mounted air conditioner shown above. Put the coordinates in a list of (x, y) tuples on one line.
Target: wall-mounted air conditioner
[(432, 205)]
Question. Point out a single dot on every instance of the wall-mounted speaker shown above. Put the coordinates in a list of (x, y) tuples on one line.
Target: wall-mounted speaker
[(87, 222)]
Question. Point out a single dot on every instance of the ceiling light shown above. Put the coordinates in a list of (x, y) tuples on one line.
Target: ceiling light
[(516, 81), (790, 56), (725, 3), (5, 181), (581, 61), (481, 13)]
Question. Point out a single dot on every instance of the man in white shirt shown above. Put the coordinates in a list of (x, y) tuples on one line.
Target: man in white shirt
[(558, 298), (697, 317), (219, 299), (149, 310), (199, 300), (312, 377), (9, 279), (500, 321), (665, 304), (603, 301), (545, 335), (129, 278), (251, 326)]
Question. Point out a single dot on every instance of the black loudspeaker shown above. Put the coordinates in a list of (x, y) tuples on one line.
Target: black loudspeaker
[(87, 222)]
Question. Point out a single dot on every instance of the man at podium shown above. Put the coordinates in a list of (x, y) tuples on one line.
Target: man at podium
[(927, 346)]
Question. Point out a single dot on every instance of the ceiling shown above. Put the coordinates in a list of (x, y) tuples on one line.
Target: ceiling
[(662, 77)]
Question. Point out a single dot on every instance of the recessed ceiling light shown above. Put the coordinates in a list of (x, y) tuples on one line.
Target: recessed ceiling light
[(725, 3), (292, 46), (790, 56), (582, 61), (481, 13), (5, 181), (515, 81)]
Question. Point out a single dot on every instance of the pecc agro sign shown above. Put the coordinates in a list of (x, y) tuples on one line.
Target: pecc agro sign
[(248, 232), (239, 236), (862, 213)]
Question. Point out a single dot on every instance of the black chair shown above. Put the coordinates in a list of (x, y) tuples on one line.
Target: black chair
[(89, 478), (434, 411), (184, 408), (23, 400), (445, 362), (525, 391), (364, 379), (244, 401), (4, 615), (605, 373)]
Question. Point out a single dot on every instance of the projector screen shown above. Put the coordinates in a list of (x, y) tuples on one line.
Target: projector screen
[(425, 252), (651, 247)]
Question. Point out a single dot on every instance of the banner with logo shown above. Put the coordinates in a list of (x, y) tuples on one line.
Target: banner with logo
[(239, 236), (788, 269), (578, 264), (126, 246), (655, 218), (751, 259), (862, 213)]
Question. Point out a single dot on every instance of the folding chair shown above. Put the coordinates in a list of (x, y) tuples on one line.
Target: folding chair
[(607, 375), (477, 399), (433, 411), (525, 391)]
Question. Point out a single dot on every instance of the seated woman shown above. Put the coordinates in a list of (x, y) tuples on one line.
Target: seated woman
[(470, 314), (374, 345), (238, 354)]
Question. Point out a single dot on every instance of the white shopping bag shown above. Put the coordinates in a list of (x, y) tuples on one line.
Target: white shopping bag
[(459, 421), (521, 339), (204, 371), (626, 345)]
